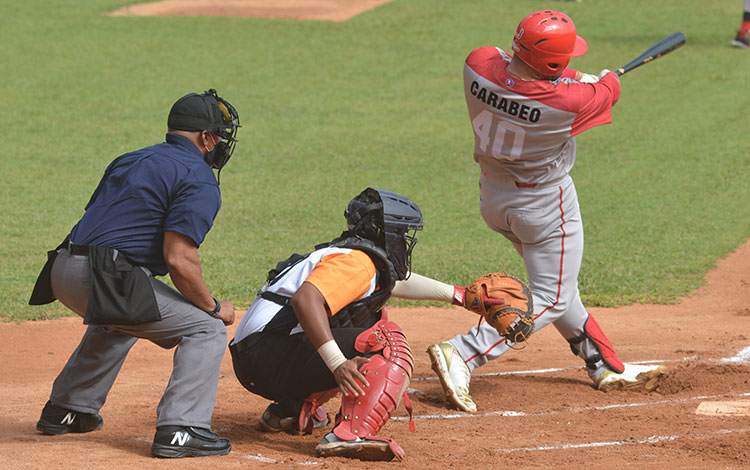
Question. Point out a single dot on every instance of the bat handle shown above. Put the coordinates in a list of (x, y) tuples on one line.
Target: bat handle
[(619, 72)]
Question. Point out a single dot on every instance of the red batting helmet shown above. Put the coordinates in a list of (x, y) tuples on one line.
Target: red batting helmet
[(546, 40)]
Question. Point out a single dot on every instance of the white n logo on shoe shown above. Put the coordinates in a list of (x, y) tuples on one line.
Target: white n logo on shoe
[(180, 438), (68, 419)]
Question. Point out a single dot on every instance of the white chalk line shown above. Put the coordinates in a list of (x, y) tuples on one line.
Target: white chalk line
[(575, 409), (260, 458), (646, 440), (256, 457), (555, 369), (741, 357)]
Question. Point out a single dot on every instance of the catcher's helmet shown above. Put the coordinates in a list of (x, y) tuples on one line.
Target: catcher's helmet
[(207, 112), (546, 40), (386, 218)]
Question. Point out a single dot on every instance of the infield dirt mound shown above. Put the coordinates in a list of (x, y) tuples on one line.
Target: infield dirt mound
[(332, 10)]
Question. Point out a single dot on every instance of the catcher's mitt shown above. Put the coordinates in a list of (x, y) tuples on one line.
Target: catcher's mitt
[(505, 302)]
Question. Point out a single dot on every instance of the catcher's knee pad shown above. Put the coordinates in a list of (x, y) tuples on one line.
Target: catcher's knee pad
[(388, 376), (593, 332)]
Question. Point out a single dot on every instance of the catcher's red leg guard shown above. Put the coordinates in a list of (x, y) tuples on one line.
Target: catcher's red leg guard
[(313, 411), (389, 375), (593, 332)]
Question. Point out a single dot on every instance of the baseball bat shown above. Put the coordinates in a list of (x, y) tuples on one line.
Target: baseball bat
[(665, 46)]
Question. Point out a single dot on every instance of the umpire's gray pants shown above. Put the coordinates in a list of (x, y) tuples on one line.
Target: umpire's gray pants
[(87, 377)]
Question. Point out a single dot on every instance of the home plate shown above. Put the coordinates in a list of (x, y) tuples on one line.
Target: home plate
[(724, 408)]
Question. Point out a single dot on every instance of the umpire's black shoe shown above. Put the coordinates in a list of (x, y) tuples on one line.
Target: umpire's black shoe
[(188, 441), (57, 420)]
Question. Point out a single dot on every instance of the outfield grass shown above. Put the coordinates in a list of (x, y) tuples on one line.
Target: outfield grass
[(330, 108)]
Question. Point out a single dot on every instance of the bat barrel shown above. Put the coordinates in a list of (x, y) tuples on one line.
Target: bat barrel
[(665, 46)]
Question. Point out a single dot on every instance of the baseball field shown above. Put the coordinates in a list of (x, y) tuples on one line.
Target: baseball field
[(335, 96)]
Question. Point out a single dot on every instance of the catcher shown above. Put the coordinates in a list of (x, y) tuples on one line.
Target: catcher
[(319, 327)]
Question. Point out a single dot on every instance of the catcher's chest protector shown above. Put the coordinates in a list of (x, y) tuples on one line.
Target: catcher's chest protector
[(362, 313), (388, 375)]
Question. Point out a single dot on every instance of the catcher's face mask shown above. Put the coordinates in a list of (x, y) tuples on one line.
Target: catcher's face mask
[(399, 245), (388, 219)]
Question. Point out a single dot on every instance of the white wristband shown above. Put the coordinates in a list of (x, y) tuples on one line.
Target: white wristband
[(332, 355)]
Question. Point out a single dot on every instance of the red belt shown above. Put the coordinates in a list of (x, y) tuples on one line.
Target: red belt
[(525, 185)]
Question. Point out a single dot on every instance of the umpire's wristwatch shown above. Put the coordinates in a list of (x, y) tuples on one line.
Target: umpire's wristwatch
[(216, 309)]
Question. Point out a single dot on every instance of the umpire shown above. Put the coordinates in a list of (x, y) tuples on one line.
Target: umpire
[(148, 216)]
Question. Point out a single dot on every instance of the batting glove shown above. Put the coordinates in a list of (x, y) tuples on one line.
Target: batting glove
[(589, 78)]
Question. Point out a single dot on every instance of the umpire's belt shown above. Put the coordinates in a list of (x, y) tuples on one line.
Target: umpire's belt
[(74, 249)]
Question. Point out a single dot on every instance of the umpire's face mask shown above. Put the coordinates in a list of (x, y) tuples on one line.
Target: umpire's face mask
[(219, 155)]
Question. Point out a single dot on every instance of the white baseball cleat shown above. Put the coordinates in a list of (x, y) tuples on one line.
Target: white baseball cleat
[(634, 377), (454, 375)]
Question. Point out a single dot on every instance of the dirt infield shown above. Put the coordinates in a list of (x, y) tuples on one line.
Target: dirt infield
[(333, 10), (537, 408)]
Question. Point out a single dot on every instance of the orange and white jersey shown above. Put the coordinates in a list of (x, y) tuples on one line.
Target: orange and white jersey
[(342, 275), (525, 129)]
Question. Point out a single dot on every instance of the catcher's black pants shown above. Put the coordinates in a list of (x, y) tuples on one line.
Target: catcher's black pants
[(282, 366)]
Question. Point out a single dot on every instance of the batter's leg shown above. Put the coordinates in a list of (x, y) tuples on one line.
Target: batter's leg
[(552, 262)]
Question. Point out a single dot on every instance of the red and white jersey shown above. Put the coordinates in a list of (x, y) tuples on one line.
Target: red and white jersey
[(524, 129), (342, 275)]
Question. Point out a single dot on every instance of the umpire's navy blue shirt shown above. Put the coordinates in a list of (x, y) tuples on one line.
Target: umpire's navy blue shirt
[(165, 187)]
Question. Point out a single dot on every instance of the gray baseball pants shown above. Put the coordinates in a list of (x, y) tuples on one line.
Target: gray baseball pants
[(200, 342), (544, 224)]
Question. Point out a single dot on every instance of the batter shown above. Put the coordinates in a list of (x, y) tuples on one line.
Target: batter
[(525, 111)]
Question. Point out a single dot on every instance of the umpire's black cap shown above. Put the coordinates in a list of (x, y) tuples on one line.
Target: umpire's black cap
[(195, 113)]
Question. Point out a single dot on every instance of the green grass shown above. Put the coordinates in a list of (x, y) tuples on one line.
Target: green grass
[(330, 108)]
